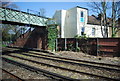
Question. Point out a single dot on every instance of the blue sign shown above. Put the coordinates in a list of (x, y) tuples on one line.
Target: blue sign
[(81, 19)]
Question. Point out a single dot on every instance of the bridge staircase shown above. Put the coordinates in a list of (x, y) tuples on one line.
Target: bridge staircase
[(36, 38), (19, 39)]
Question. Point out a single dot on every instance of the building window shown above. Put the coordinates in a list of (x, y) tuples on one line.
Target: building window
[(82, 30), (93, 31), (81, 16)]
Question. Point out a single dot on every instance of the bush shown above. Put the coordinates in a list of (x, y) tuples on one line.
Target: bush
[(81, 37), (52, 36)]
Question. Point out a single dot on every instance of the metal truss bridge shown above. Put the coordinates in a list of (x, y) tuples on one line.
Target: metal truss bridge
[(11, 16)]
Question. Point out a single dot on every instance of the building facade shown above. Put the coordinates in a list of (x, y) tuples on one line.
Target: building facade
[(75, 21)]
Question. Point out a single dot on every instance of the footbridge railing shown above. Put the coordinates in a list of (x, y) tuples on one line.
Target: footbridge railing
[(20, 17)]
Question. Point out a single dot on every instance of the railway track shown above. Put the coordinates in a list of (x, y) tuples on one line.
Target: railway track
[(25, 73), (53, 75), (89, 63), (60, 68), (61, 64), (70, 60), (19, 49), (11, 76)]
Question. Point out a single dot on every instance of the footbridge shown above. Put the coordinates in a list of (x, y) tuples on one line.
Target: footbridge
[(11, 16)]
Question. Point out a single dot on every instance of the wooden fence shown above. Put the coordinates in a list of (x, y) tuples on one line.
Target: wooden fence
[(94, 46)]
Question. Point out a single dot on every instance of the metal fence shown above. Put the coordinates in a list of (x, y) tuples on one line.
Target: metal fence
[(93, 46), (12, 16)]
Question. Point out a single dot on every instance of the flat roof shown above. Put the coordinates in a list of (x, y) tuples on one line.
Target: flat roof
[(81, 7)]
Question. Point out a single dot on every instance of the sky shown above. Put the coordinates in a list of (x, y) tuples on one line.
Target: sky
[(51, 7)]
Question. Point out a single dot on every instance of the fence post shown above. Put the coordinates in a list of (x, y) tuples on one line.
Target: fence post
[(97, 47), (56, 44), (65, 44), (76, 44)]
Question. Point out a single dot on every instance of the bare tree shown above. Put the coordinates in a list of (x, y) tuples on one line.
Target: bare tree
[(4, 3), (115, 17), (8, 4), (101, 9), (6, 28), (42, 13)]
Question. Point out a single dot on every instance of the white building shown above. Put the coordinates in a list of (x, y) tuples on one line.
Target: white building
[(74, 22)]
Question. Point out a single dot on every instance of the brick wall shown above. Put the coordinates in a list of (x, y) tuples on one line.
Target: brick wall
[(33, 39)]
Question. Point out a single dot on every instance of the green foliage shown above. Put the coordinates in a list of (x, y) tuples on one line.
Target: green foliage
[(76, 36), (5, 36), (70, 47), (77, 49), (3, 45), (52, 35), (81, 37), (113, 34), (11, 32)]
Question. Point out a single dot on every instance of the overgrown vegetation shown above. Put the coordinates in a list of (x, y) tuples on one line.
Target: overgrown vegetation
[(70, 47), (3, 45), (84, 37), (11, 32), (84, 40), (77, 49), (81, 37), (52, 34)]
